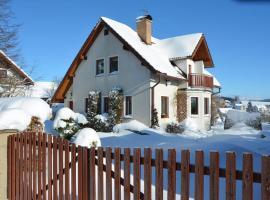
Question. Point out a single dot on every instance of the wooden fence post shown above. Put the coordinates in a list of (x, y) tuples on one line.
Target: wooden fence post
[(247, 183), (60, 163), (73, 172), (137, 173), (159, 174), (230, 176), (108, 173), (80, 173), (67, 181), (147, 173), (92, 173), (171, 174), (117, 172), (185, 160), (265, 186), (100, 174), (214, 175), (44, 167), (126, 174), (55, 164), (49, 167), (199, 173)]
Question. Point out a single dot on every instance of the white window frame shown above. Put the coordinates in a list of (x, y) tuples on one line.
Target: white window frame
[(131, 115), (104, 60), (209, 106), (115, 72)]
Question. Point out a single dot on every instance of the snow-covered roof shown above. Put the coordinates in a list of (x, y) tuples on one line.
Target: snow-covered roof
[(42, 89), (19, 69), (180, 46), (149, 52)]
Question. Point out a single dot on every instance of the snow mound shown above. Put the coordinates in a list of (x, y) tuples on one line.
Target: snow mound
[(190, 125), (16, 112), (66, 114), (233, 117), (87, 137), (133, 125), (8, 121)]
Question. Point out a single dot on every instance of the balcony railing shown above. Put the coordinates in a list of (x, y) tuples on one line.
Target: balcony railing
[(200, 80)]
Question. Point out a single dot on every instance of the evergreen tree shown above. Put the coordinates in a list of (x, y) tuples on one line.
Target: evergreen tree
[(249, 107), (155, 122), (115, 107)]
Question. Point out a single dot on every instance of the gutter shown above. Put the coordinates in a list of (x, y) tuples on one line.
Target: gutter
[(153, 97)]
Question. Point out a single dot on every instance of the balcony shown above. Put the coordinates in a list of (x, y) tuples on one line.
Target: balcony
[(200, 81)]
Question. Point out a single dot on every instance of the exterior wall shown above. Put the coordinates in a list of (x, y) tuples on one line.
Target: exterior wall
[(132, 77), (203, 121), (170, 91)]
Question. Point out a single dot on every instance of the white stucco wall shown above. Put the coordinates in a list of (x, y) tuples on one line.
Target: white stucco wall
[(132, 77), (202, 120)]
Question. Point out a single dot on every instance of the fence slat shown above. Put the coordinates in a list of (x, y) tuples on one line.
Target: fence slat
[(21, 167), (80, 173), (85, 174), (55, 164), (9, 175), (171, 174), (137, 173), (26, 166), (73, 172), (24, 195), (67, 181), (199, 181), (44, 167), (30, 166), (230, 176), (185, 160), (34, 165), (60, 161), (100, 174), (39, 165), (159, 174), (108, 173), (126, 174), (265, 186), (147, 173), (214, 175), (49, 167), (247, 183), (13, 167), (117, 174), (92, 173)]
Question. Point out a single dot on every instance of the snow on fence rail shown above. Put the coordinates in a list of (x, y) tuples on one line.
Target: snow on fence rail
[(48, 167)]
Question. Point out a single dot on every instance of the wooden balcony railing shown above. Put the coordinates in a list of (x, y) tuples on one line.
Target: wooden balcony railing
[(200, 80)]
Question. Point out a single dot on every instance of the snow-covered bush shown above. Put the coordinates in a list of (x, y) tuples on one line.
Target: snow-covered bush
[(133, 125), (154, 123), (17, 112), (173, 127), (190, 125), (252, 119), (67, 122), (115, 106), (87, 137), (35, 125)]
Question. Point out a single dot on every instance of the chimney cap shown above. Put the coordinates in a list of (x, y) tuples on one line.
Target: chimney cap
[(149, 17)]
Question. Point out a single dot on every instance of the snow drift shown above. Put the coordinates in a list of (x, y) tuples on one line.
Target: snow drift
[(16, 112), (132, 125)]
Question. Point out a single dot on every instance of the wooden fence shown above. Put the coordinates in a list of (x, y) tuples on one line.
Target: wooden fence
[(44, 167)]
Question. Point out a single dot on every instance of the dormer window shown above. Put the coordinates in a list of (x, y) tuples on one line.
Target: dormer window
[(100, 66), (3, 73), (106, 32)]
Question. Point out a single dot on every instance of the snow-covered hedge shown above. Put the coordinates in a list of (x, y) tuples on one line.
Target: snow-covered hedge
[(252, 119), (17, 112), (174, 127), (87, 137), (67, 122)]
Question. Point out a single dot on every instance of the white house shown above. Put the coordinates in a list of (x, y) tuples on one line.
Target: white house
[(166, 74)]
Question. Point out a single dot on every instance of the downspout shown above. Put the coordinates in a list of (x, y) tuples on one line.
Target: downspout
[(153, 98)]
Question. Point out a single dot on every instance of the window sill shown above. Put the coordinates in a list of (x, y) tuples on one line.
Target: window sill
[(164, 117), (100, 75), (113, 73), (194, 116), (128, 116)]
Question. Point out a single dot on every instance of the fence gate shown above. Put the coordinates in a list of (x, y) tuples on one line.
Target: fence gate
[(42, 166)]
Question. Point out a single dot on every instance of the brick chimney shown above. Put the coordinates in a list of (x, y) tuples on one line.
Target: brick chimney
[(144, 28)]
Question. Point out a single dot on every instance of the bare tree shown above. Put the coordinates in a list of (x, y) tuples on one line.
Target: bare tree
[(8, 31), (55, 83)]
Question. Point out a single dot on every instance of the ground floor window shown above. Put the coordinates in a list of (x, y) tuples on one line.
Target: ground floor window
[(70, 105), (206, 106), (85, 105), (194, 105), (128, 105), (164, 107), (105, 104)]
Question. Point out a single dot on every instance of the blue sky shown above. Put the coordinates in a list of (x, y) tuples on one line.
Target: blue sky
[(238, 34)]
